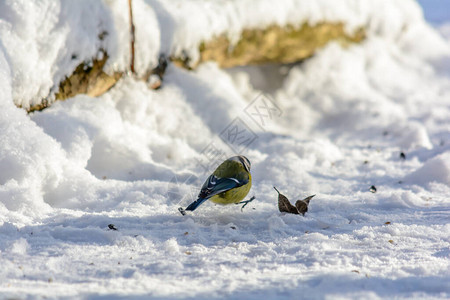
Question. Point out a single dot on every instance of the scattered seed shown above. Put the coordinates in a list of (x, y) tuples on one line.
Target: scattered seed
[(355, 271), (102, 35), (112, 227), (391, 241), (373, 189), (188, 252), (186, 233), (232, 227), (387, 223), (402, 155)]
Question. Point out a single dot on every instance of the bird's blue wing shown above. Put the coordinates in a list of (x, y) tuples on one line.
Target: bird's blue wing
[(213, 186)]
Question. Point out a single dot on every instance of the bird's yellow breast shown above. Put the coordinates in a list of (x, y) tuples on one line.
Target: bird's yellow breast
[(234, 195)]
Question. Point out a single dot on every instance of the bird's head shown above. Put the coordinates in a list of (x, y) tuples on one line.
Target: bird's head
[(243, 160)]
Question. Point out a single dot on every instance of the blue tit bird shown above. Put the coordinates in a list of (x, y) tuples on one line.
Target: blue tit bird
[(228, 184)]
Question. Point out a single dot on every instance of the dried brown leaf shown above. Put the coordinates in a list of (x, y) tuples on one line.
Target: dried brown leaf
[(302, 205), (284, 205)]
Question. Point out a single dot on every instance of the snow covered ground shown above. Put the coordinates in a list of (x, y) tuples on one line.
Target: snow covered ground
[(375, 114)]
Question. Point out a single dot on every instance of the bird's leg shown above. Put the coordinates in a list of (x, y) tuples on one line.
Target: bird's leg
[(182, 211), (246, 202)]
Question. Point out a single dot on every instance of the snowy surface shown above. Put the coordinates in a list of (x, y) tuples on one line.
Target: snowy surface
[(334, 126)]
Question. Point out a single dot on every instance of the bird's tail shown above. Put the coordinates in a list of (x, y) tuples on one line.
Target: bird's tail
[(196, 204)]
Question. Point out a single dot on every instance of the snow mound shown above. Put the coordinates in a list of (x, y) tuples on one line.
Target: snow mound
[(436, 169)]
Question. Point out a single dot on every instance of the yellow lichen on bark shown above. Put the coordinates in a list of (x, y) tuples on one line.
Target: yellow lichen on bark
[(88, 78), (273, 44)]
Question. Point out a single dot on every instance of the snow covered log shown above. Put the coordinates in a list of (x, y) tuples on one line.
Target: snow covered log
[(230, 33), (256, 46)]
